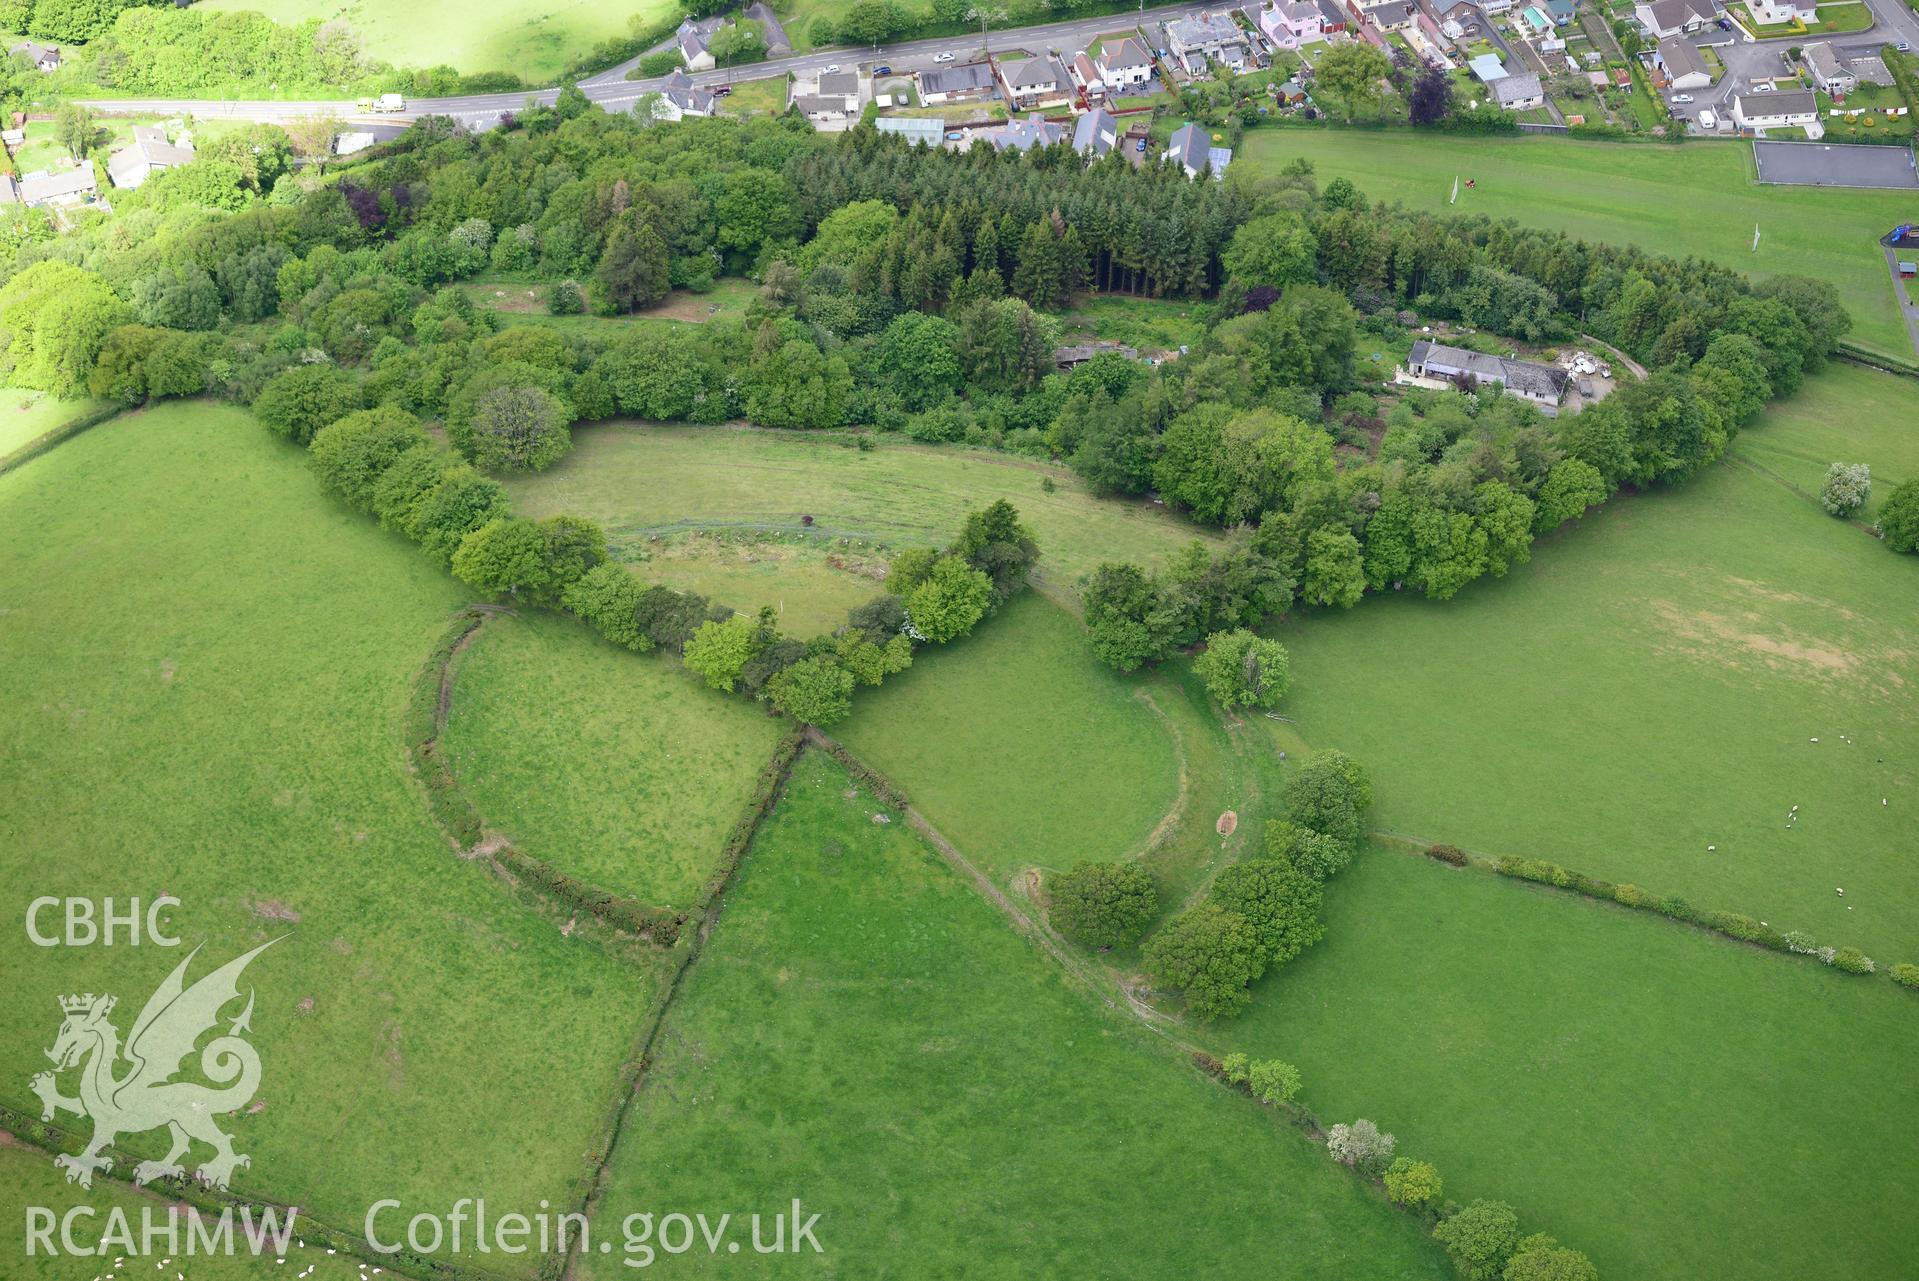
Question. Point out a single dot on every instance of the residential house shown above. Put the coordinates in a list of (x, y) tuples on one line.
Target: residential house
[(1391, 15), (1333, 18), (1533, 21), (841, 84), (1778, 13), (150, 153), (1518, 93), (957, 82), (1033, 130), (1543, 385), (1562, 12), (44, 57), (1798, 108), (821, 108), (1829, 72), (1216, 37), (1663, 18), (691, 40), (1192, 149), (680, 98), (1683, 66), (1124, 65), (1288, 24), (1095, 133), (1496, 6), (1033, 82), (60, 187), (777, 44), (1086, 76)]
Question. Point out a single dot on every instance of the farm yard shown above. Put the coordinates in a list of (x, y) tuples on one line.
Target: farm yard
[(1683, 200)]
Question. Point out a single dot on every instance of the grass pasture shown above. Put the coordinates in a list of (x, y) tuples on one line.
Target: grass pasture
[(640, 480), (203, 677), (1648, 686), (865, 1033), (1847, 414), (621, 769), (1020, 746), (1673, 1104), (811, 588), (536, 42), (1692, 199), (25, 416)]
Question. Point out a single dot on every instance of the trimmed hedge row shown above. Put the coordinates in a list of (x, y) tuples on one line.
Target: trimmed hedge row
[(59, 435), (656, 924), (1734, 925), (448, 804)]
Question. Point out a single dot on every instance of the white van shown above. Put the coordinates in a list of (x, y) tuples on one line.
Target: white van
[(1708, 121)]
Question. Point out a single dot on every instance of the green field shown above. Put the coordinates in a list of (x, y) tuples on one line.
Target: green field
[(29, 1178), (641, 480), (1673, 1104), (1020, 746), (201, 693), (534, 41), (864, 1033), (1846, 415), (811, 587), (624, 770), (1647, 687), (27, 415), (1693, 199)]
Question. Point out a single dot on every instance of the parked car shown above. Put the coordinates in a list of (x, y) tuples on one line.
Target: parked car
[(832, 70), (1725, 24), (1764, 86), (954, 135), (882, 71), (1682, 98), (1904, 46), (720, 91), (1707, 120), (942, 57), (1141, 146)]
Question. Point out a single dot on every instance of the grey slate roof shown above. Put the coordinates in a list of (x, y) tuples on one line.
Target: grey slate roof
[(844, 84), (1096, 132), (961, 78), (1796, 102), (1520, 88), (1530, 377)]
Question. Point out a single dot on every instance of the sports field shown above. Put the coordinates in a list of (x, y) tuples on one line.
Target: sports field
[(210, 665), (1021, 746), (1698, 198), (535, 41), (1674, 1104), (863, 1032), (1845, 415), (643, 480), (621, 769), (1677, 672)]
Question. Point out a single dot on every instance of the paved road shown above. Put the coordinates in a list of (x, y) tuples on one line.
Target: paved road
[(484, 110)]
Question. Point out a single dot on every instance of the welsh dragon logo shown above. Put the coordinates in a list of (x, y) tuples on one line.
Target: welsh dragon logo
[(145, 1096)]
